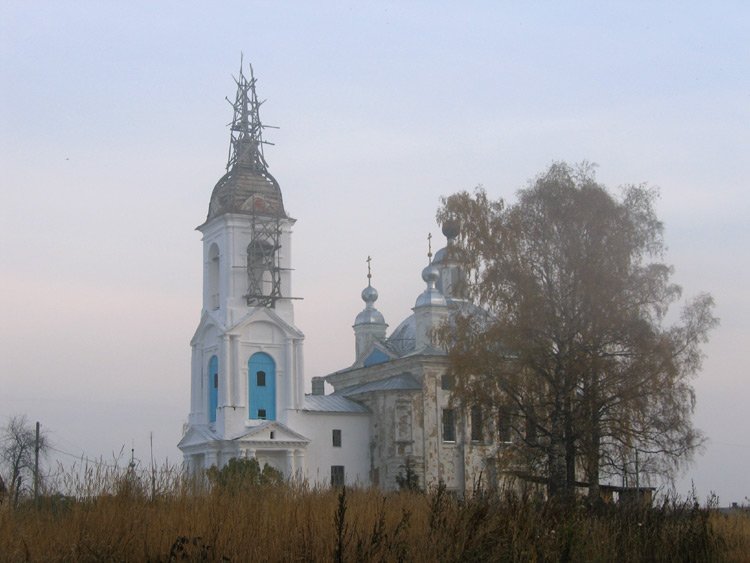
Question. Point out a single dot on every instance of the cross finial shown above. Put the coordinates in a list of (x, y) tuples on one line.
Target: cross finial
[(369, 275), (429, 247)]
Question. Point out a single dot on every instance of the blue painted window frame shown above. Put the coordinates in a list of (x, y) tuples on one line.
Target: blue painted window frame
[(261, 397), (213, 387)]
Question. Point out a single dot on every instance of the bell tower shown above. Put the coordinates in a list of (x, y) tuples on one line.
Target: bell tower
[(247, 354)]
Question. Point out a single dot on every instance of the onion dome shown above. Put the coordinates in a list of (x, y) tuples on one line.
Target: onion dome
[(247, 187), (450, 231), (370, 315), (430, 296)]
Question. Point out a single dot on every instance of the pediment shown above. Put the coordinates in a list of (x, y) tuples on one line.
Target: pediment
[(261, 435), (376, 350), (208, 318), (198, 436), (264, 314)]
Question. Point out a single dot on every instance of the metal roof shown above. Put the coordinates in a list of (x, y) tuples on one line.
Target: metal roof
[(401, 382), (332, 403)]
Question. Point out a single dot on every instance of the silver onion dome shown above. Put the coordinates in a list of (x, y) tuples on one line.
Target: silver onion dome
[(430, 296), (370, 315)]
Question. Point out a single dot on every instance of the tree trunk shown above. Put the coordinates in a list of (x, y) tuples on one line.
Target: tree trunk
[(570, 445), (594, 440), (558, 482), (593, 465)]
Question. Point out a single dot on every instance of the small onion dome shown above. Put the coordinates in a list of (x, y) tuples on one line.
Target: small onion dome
[(430, 296), (450, 230), (370, 315)]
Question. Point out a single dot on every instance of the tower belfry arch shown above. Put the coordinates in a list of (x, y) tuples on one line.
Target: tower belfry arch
[(263, 267)]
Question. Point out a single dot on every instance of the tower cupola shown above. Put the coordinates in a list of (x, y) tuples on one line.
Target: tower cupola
[(369, 326), (431, 307), (451, 281), (247, 187)]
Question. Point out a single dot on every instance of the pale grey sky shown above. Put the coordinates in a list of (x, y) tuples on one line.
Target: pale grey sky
[(112, 136)]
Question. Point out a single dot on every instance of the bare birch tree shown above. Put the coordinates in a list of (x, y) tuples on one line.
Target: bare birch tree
[(17, 454)]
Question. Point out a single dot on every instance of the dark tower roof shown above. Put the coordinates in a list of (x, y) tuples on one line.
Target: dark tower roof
[(247, 187)]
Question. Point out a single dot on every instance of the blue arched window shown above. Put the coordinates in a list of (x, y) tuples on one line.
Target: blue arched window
[(213, 387), (261, 387)]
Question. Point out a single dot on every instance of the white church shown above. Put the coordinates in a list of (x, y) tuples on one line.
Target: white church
[(247, 400)]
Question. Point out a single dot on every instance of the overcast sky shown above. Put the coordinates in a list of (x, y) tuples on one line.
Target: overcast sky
[(113, 134)]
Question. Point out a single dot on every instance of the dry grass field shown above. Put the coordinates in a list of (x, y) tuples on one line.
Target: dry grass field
[(106, 517)]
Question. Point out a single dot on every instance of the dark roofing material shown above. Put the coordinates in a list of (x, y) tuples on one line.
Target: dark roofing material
[(401, 382)]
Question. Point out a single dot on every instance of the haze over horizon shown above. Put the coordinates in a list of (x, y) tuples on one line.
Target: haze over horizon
[(114, 134)]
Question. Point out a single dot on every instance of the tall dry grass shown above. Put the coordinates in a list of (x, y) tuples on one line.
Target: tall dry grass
[(114, 516), (733, 533)]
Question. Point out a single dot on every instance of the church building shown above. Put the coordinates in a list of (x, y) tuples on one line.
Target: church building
[(389, 410)]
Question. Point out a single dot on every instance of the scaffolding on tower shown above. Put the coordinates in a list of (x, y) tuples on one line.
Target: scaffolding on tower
[(247, 164)]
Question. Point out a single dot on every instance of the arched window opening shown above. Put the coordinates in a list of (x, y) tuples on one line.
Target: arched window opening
[(213, 276), (261, 387), (213, 387)]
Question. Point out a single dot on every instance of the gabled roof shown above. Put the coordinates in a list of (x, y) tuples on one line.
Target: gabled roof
[(332, 403), (207, 318), (401, 382), (260, 435), (197, 435), (254, 315), (373, 347), (260, 314)]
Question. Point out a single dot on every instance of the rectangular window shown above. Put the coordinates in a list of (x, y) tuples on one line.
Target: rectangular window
[(477, 425), (503, 425), (531, 436), (403, 421), (337, 438), (446, 382), (262, 414), (449, 425), (261, 378), (337, 476)]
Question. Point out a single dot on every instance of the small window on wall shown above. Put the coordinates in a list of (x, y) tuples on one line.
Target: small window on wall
[(531, 436), (261, 378), (503, 425), (337, 476), (446, 382), (449, 425), (337, 438), (477, 430), (262, 414)]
